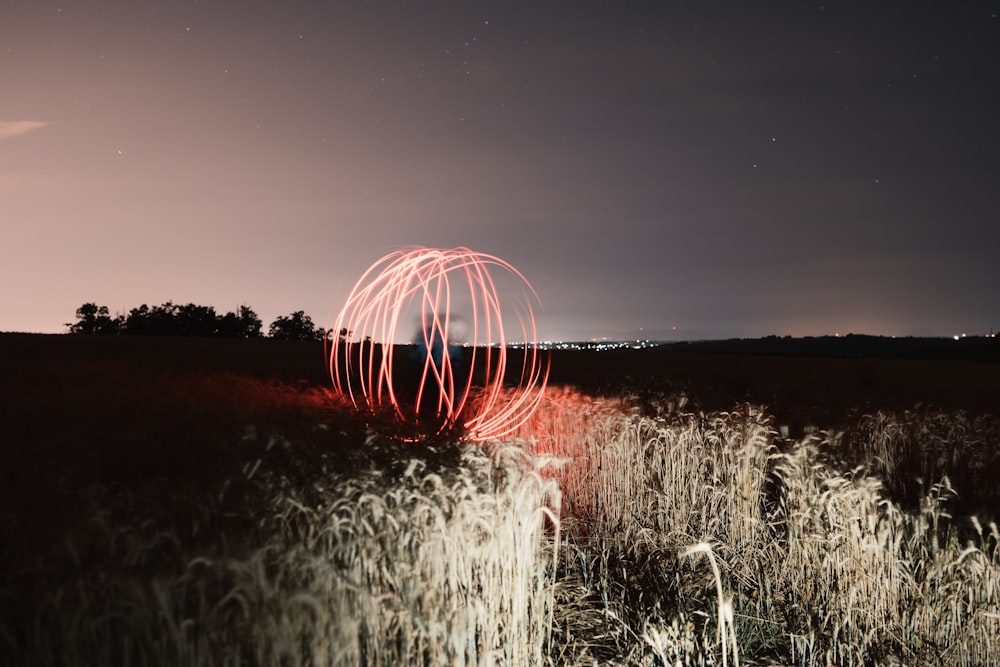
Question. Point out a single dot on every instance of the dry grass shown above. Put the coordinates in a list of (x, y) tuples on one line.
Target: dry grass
[(819, 566), (602, 534), (417, 567)]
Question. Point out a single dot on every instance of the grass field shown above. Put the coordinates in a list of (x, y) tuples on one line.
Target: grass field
[(186, 502)]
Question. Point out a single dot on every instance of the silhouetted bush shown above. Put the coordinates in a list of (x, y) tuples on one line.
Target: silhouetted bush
[(297, 326)]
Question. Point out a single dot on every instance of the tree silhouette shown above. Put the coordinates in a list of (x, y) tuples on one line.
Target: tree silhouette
[(245, 324), (137, 321), (190, 319), (297, 326), (162, 320), (228, 326), (94, 319), (194, 320)]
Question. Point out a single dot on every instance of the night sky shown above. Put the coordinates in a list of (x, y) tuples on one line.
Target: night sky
[(664, 170)]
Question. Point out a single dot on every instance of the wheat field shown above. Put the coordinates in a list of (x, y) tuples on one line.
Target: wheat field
[(605, 532)]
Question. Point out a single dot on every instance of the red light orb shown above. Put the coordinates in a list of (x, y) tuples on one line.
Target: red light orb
[(460, 366)]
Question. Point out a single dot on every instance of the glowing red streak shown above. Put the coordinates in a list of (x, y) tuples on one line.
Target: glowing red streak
[(362, 366)]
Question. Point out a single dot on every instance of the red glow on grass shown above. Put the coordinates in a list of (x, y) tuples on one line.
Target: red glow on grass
[(445, 378)]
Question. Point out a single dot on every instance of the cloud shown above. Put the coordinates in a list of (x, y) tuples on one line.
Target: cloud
[(15, 128)]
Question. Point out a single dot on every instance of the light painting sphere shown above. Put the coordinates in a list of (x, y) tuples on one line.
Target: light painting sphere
[(472, 357)]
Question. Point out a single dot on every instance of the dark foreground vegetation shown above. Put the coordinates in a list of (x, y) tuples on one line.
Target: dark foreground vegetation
[(203, 501)]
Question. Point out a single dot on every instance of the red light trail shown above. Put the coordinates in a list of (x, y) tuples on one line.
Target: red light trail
[(434, 384)]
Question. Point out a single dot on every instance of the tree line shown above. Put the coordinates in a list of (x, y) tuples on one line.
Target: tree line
[(170, 319)]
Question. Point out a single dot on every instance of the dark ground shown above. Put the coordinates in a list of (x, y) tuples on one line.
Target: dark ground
[(810, 381), (46, 380)]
